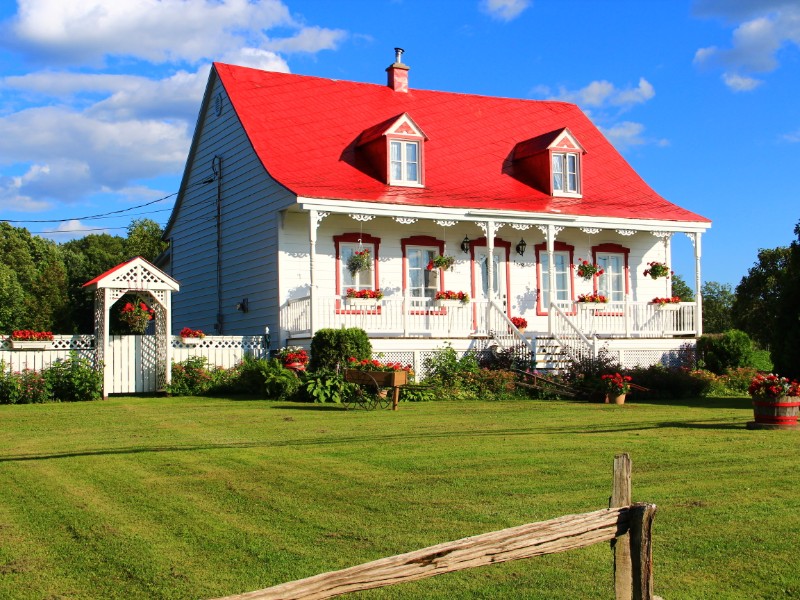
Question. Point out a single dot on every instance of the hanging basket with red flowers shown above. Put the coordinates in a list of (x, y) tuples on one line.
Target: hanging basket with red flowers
[(587, 270), (137, 315)]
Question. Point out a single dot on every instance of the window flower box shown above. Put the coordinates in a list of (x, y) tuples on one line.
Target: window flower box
[(30, 344), (370, 302), (450, 298), (443, 303), (191, 341)]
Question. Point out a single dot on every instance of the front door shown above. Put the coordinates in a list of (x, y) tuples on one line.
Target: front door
[(498, 282)]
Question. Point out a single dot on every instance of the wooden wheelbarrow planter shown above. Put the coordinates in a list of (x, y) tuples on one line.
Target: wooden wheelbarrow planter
[(375, 380)]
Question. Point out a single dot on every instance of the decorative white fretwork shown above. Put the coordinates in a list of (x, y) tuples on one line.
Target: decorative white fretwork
[(362, 218), (662, 234), (520, 226), (321, 214), (544, 228), (626, 232), (692, 238), (405, 220), (443, 223), (591, 230)]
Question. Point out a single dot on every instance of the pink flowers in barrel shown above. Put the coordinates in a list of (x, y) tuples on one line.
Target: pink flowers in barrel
[(587, 270), (657, 270), (137, 315), (772, 387)]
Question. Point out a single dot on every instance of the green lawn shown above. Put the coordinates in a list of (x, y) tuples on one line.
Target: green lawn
[(197, 498)]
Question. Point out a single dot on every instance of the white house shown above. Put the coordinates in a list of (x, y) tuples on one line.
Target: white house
[(289, 175)]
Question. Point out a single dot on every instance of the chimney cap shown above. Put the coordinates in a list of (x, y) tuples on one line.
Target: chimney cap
[(398, 59)]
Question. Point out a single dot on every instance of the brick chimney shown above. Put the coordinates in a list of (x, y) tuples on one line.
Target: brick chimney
[(398, 72)]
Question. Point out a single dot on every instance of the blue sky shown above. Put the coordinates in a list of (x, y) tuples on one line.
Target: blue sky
[(98, 98)]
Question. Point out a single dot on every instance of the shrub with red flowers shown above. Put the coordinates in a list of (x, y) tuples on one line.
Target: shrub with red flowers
[(441, 262), (137, 315), (462, 297), (187, 332), (519, 322), (26, 335), (596, 298), (376, 365), (672, 300), (657, 270), (772, 387), (616, 383), (366, 294), (587, 270), (293, 354)]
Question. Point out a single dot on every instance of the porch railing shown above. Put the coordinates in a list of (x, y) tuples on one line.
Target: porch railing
[(569, 336), (631, 319)]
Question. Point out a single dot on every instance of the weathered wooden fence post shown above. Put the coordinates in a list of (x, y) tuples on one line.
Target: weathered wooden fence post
[(621, 496), (633, 550)]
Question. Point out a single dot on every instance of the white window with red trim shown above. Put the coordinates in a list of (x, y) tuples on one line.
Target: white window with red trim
[(613, 259), (419, 281), (346, 246), (404, 163), (566, 173), (562, 264)]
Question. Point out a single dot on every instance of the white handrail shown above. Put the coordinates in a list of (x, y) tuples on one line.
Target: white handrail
[(576, 350)]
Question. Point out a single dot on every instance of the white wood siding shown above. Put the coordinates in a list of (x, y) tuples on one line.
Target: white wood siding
[(250, 201)]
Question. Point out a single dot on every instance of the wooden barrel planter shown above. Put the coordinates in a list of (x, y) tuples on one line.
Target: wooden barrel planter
[(780, 414)]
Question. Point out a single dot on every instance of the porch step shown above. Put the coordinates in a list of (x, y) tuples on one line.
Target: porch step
[(550, 355)]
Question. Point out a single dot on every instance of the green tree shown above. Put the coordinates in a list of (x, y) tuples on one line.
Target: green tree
[(785, 349), (755, 305), (717, 307), (144, 239), (682, 289), (12, 300)]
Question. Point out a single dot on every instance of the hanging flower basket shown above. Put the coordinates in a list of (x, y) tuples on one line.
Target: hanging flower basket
[(657, 270), (359, 261), (137, 315), (441, 262), (587, 270)]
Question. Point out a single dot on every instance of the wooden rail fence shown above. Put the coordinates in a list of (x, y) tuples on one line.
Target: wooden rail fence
[(627, 526)]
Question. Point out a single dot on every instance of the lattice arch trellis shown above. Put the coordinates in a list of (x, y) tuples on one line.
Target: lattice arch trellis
[(134, 275)]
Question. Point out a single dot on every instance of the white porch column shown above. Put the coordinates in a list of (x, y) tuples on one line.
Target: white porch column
[(551, 258), (313, 224), (491, 229), (698, 281), (108, 371)]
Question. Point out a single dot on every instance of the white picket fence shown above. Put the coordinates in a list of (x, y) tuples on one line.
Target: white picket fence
[(132, 357)]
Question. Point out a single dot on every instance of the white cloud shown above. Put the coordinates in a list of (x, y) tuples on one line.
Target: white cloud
[(793, 137), (755, 43), (625, 134), (603, 94), (740, 83), (309, 39), (73, 229), (504, 10), (157, 31)]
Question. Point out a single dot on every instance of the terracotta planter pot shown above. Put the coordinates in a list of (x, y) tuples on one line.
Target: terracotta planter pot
[(295, 366), (613, 399), (777, 414)]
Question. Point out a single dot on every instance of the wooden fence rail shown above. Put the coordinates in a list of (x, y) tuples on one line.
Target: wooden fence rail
[(628, 528)]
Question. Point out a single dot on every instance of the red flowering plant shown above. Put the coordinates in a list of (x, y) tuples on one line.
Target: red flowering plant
[(596, 298), (187, 332), (519, 322), (657, 270), (616, 383), (293, 354), (27, 335), (137, 315), (672, 300), (375, 365), (361, 260), (772, 387), (587, 270), (462, 297), (441, 262), (365, 294)]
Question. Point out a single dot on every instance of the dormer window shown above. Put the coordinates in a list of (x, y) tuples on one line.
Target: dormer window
[(565, 172), (404, 162), (551, 163), (395, 151)]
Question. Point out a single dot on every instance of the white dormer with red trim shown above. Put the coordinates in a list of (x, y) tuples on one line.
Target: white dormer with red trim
[(395, 149), (552, 163)]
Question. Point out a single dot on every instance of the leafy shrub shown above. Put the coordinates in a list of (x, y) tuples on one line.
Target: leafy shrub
[(491, 384), (719, 352), (9, 386), (190, 377), (417, 393), (324, 386), (33, 388), (330, 348), (672, 382), (267, 379), (446, 369), (585, 375), (516, 357), (736, 381), (74, 379)]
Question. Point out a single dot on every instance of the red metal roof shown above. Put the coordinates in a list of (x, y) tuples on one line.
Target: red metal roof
[(305, 130)]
